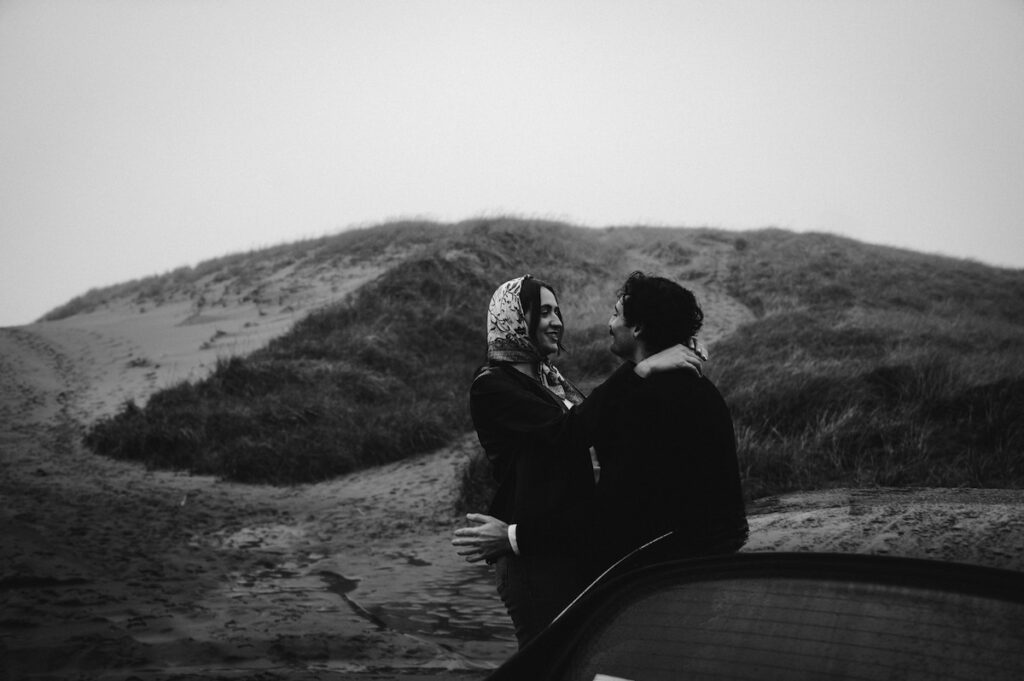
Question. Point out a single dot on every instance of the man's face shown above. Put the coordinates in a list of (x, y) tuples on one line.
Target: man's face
[(549, 324), (623, 338)]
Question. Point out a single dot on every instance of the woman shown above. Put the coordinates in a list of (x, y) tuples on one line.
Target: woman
[(533, 426), (519, 403)]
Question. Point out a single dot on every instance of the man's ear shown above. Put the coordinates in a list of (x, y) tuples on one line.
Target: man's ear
[(638, 331)]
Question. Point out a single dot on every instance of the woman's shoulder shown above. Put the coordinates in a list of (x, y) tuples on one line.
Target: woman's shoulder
[(494, 375), (503, 378)]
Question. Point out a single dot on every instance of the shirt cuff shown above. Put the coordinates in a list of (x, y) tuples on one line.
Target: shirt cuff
[(512, 539)]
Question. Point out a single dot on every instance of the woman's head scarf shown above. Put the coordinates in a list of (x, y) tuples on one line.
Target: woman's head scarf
[(509, 338)]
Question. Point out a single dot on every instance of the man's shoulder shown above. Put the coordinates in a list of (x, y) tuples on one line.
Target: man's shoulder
[(676, 378), (679, 384)]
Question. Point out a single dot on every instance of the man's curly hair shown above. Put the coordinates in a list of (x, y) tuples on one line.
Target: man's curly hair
[(666, 312)]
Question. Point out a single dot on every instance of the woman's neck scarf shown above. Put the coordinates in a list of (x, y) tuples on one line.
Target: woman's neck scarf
[(508, 340)]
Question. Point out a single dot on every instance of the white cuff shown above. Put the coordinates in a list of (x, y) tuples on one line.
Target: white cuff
[(512, 539)]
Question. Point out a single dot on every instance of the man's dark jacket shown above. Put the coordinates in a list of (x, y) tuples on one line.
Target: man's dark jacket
[(667, 449)]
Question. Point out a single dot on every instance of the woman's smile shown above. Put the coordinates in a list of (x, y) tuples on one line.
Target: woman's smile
[(549, 324)]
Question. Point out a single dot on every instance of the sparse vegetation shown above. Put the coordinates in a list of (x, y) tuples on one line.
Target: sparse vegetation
[(862, 408), (864, 366), (873, 366), (377, 377), (238, 272)]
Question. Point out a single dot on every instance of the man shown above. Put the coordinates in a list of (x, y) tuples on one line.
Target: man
[(666, 446)]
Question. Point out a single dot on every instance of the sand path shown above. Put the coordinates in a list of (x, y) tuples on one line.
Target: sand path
[(112, 571)]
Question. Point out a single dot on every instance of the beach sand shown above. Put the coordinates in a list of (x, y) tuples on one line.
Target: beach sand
[(112, 571)]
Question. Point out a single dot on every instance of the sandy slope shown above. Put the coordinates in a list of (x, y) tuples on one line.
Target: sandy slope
[(112, 571)]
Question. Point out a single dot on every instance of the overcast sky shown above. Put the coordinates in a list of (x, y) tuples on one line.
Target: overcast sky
[(137, 136)]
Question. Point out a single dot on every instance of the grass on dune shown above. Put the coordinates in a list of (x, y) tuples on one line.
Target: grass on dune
[(866, 366), (364, 382), (873, 366), (863, 366), (380, 376), (242, 272), (867, 407)]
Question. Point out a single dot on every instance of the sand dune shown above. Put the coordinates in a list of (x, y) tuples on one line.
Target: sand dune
[(112, 571)]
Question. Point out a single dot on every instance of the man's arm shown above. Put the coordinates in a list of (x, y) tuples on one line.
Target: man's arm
[(496, 398), (573, 529), (655, 436)]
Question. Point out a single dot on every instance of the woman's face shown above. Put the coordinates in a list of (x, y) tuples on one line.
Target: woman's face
[(549, 324)]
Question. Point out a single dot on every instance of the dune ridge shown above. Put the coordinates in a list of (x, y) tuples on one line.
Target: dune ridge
[(110, 570)]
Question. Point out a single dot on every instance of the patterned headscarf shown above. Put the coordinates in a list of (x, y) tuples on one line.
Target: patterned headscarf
[(508, 339)]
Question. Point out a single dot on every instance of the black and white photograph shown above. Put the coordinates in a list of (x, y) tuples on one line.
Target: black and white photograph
[(517, 340)]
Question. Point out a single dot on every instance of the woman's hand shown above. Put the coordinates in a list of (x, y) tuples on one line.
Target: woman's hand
[(488, 540), (691, 358)]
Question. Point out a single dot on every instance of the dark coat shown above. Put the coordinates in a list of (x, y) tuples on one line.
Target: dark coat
[(668, 463), (534, 443)]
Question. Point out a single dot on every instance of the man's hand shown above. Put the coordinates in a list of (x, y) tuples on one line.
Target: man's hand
[(676, 357), (488, 540)]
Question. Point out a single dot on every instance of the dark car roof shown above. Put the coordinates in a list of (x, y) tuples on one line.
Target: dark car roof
[(841, 584), (781, 616)]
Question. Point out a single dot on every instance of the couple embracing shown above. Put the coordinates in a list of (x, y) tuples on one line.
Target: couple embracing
[(650, 454)]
